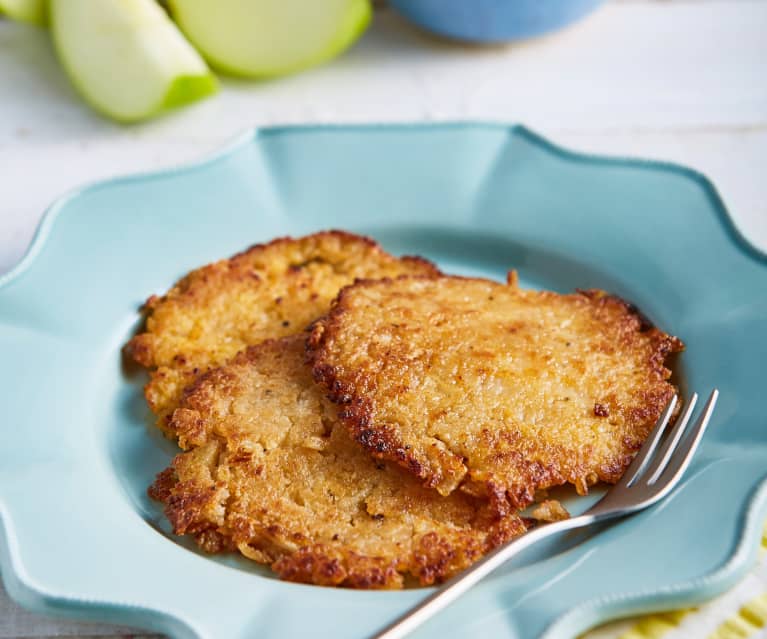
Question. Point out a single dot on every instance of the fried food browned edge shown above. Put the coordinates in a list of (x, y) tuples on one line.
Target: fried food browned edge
[(267, 291), (274, 475), (494, 389)]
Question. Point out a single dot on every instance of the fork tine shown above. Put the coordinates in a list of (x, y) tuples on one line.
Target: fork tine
[(664, 454), (683, 455), (651, 443)]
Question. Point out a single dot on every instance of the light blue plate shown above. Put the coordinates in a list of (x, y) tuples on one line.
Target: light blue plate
[(80, 537)]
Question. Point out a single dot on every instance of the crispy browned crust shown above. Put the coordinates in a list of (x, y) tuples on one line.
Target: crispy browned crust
[(494, 389), (267, 291), (272, 473)]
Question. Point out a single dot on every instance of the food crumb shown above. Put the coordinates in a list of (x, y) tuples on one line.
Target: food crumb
[(550, 510)]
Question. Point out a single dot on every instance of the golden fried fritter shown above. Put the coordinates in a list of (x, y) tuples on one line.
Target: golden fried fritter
[(498, 390), (268, 291), (274, 475)]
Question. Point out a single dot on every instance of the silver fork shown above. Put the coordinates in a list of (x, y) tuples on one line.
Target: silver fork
[(648, 479)]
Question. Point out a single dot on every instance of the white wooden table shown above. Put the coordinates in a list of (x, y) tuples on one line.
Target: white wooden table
[(680, 80)]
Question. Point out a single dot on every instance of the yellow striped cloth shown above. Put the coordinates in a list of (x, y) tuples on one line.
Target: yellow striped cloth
[(740, 613)]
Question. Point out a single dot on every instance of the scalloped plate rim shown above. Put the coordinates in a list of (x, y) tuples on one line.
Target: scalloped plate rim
[(583, 616), (249, 135), (592, 612)]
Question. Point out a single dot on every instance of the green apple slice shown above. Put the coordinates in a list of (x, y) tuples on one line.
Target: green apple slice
[(126, 57), (24, 10), (264, 38)]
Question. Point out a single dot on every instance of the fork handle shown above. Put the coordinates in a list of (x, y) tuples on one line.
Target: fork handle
[(459, 584)]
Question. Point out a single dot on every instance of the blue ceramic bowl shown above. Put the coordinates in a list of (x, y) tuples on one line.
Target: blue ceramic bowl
[(493, 20)]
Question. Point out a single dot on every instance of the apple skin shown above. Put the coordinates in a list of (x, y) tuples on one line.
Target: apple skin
[(126, 58), (270, 38), (32, 11)]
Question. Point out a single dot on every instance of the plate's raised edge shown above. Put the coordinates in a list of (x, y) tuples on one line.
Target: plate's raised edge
[(602, 609), (43, 230), (25, 591), (725, 219), (582, 616), (49, 217)]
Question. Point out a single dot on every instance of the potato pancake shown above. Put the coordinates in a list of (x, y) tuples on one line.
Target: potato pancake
[(268, 291), (274, 475), (491, 388)]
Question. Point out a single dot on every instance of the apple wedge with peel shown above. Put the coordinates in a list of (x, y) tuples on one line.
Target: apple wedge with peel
[(24, 10), (126, 57), (265, 38)]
